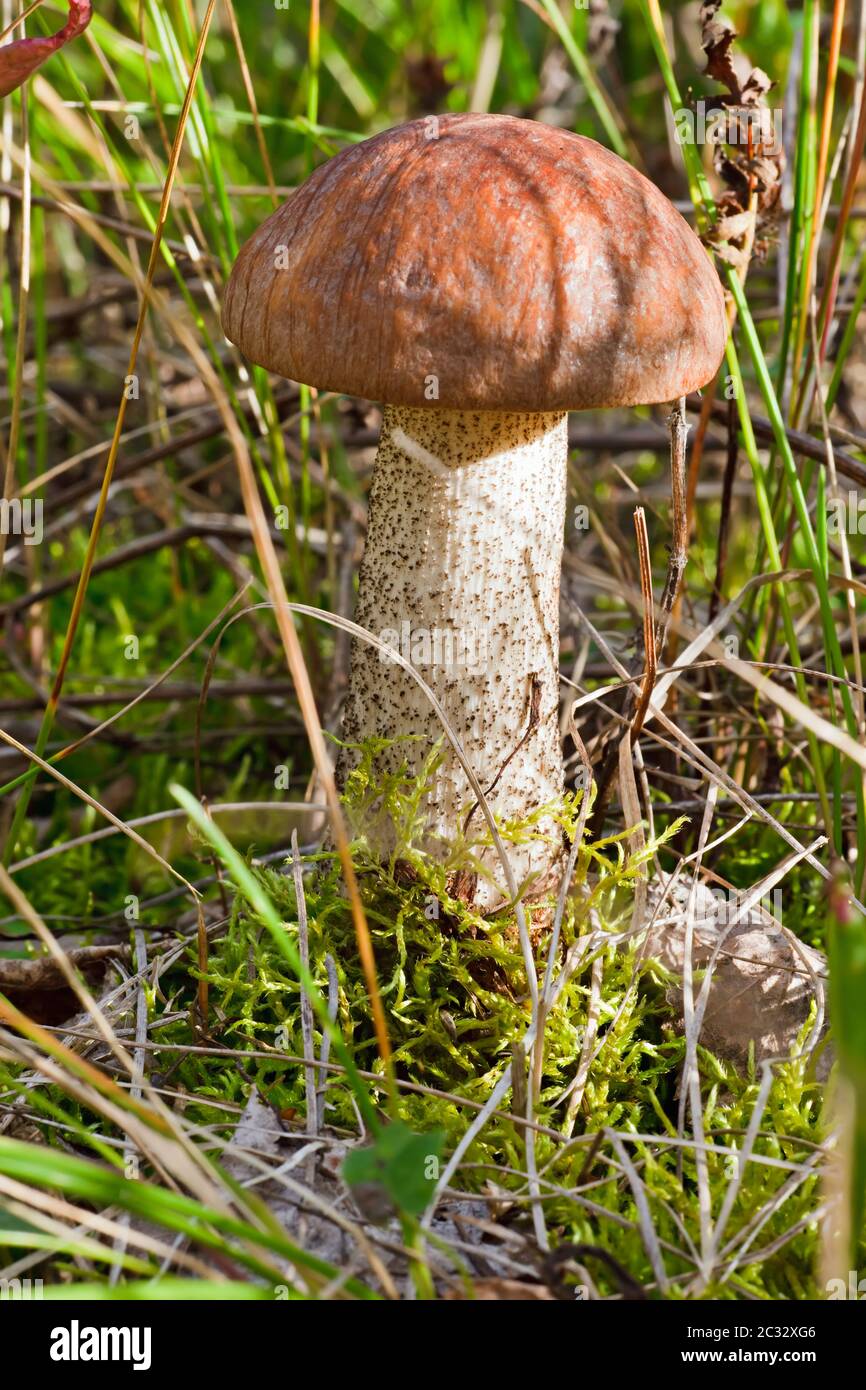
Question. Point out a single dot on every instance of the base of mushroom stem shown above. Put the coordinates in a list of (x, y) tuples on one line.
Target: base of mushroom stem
[(462, 886)]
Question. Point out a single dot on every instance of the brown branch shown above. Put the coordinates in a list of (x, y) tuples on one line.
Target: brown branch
[(804, 444)]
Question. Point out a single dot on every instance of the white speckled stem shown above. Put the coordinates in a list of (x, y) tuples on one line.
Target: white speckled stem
[(461, 574)]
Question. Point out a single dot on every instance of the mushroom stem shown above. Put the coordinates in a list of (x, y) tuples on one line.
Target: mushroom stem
[(461, 576)]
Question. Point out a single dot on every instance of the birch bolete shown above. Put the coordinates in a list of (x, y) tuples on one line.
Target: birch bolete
[(480, 276)]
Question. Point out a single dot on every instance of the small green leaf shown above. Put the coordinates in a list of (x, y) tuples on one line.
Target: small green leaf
[(401, 1165)]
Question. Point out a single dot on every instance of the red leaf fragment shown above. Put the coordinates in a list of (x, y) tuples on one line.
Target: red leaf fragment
[(22, 57)]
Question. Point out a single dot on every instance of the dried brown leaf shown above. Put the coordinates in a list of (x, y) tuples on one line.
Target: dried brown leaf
[(762, 984)]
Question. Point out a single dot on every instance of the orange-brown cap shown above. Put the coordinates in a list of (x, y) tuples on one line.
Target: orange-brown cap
[(480, 263)]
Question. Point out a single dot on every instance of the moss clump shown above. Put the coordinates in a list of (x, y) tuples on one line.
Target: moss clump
[(455, 993)]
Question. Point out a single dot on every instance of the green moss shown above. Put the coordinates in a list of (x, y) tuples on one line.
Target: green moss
[(455, 993)]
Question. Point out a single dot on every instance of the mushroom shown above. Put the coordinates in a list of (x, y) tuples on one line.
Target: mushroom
[(480, 276)]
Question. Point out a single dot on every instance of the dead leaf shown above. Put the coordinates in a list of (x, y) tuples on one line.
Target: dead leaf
[(43, 972), (761, 989), (717, 36), (602, 31), (751, 159), (730, 228), (315, 1188), (18, 60)]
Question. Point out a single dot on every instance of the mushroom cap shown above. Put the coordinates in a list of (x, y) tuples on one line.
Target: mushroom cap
[(476, 262)]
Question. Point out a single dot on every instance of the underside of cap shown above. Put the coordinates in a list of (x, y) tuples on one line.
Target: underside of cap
[(483, 263)]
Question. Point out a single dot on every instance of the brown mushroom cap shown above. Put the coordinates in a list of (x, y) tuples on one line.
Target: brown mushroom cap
[(521, 266)]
